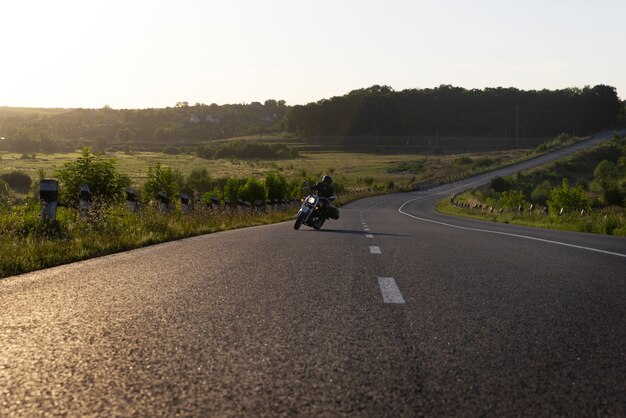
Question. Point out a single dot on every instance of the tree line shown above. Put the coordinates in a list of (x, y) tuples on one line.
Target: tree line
[(376, 110), (455, 111), (106, 127)]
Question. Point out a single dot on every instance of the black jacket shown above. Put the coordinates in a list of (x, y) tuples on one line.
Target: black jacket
[(324, 190)]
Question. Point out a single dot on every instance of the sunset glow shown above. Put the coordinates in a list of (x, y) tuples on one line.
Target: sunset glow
[(137, 54)]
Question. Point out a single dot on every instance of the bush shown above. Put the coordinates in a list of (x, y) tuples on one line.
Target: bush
[(569, 199), (248, 150), (172, 151), (553, 143), (231, 190), (253, 190), (5, 194), (606, 174), (105, 183), (277, 187), (485, 162), (18, 181), (207, 197), (464, 160), (206, 152), (160, 179), (367, 181), (499, 184), (541, 193), (512, 199), (198, 181), (606, 177)]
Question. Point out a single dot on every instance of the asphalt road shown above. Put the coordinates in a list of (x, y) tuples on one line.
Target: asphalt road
[(393, 310)]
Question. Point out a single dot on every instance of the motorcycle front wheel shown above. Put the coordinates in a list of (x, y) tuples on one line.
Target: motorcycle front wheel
[(299, 221)]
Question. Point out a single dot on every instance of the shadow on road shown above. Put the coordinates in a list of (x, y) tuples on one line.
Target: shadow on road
[(355, 232)]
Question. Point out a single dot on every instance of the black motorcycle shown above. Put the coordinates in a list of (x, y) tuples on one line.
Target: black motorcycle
[(315, 210)]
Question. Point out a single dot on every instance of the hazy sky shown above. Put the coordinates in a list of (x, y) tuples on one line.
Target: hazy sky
[(154, 53)]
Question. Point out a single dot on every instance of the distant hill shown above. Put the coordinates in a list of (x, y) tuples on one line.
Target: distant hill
[(26, 112), (493, 115), (50, 130)]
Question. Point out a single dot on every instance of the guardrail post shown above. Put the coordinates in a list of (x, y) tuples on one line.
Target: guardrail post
[(184, 202), (164, 202), (228, 206), (215, 203), (132, 201), (84, 200), (48, 199)]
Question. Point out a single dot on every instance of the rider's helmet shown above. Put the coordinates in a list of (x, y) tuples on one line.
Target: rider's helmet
[(327, 179)]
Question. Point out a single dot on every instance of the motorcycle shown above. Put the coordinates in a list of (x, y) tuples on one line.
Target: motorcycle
[(310, 213)]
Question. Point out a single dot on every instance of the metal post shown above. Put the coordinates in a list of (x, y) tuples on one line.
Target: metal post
[(48, 198)]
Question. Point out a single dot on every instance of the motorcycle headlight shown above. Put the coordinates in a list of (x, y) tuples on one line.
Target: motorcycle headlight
[(310, 200)]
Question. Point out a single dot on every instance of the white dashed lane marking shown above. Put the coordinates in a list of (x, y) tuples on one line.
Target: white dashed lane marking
[(369, 236), (389, 288), (374, 249)]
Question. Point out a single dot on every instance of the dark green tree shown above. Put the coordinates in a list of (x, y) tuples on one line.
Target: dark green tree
[(605, 180)]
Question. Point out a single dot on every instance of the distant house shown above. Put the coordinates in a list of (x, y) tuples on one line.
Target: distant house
[(194, 119)]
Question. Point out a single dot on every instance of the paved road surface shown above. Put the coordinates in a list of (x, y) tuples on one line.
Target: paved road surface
[(393, 310)]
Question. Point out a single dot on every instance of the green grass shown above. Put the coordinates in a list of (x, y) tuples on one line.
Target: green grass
[(348, 168), (27, 243), (610, 221), (578, 169)]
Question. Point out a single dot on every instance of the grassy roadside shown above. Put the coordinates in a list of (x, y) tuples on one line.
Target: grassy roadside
[(27, 243), (607, 221), (543, 197)]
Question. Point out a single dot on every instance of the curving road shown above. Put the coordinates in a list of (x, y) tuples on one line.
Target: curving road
[(394, 310)]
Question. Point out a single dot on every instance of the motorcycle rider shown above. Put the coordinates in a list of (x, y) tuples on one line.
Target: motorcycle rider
[(324, 191)]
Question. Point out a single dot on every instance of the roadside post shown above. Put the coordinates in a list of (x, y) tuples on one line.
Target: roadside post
[(48, 199), (84, 200), (184, 203), (164, 202), (132, 202)]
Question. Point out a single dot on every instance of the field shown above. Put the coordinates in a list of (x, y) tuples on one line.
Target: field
[(351, 169)]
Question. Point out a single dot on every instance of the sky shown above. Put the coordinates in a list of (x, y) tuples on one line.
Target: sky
[(155, 53)]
